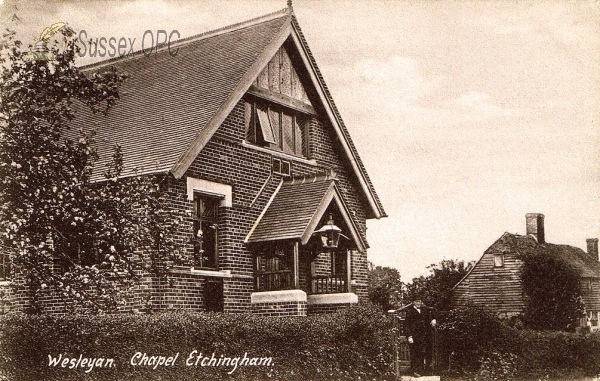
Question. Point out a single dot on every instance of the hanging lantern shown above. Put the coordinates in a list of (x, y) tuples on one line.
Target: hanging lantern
[(330, 234)]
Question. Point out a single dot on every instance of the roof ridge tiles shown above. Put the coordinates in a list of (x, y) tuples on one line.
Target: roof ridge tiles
[(194, 38)]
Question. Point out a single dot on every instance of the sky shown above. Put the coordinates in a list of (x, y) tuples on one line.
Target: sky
[(466, 114)]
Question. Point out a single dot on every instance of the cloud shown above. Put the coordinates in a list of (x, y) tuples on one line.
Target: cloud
[(472, 98), (478, 106), (509, 24), (400, 75)]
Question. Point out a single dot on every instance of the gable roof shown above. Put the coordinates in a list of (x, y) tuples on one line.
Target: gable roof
[(583, 263), (296, 208), (167, 102), (524, 245), (171, 105)]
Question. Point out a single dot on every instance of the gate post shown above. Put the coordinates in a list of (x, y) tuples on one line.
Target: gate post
[(401, 350)]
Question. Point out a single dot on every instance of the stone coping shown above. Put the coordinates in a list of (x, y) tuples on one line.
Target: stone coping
[(278, 296), (342, 298), (214, 273)]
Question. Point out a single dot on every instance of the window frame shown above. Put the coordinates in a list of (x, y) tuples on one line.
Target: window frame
[(5, 267), (275, 261), (209, 225), (278, 165), (260, 112), (498, 260), (594, 318)]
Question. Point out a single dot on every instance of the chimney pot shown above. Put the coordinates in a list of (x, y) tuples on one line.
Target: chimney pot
[(592, 247), (535, 226)]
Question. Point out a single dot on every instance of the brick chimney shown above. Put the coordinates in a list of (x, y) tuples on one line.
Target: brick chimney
[(535, 226), (592, 247)]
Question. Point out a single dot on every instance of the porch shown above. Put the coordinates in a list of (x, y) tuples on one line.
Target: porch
[(302, 279), (304, 245)]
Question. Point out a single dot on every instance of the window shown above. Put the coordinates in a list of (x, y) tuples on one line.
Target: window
[(338, 263), (206, 226), (592, 318), (4, 266), (282, 167), (498, 260), (274, 269), (276, 127), (586, 286), (73, 250)]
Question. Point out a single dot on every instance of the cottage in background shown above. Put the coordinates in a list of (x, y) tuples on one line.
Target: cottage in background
[(495, 284)]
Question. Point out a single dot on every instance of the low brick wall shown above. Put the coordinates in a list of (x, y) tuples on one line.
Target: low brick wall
[(326, 308), (279, 303), (280, 309), (327, 303)]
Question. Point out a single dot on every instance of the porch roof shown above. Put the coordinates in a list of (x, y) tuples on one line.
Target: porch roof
[(297, 207)]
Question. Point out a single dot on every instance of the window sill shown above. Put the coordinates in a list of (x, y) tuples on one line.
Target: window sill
[(5, 283), (280, 154), (213, 273), (203, 272)]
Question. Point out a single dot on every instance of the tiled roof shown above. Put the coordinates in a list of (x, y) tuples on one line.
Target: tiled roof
[(583, 263), (291, 211), (167, 101), (170, 106)]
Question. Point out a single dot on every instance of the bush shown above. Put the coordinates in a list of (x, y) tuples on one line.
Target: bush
[(349, 345), (558, 307), (467, 335), (497, 366), (481, 347), (555, 354)]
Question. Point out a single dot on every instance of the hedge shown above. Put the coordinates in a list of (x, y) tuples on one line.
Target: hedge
[(482, 347), (353, 344)]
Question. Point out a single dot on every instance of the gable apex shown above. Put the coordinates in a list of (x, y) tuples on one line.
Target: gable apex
[(281, 76), (290, 31), (171, 105)]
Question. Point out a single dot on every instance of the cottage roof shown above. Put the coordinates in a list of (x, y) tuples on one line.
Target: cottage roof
[(171, 106), (297, 207), (582, 262)]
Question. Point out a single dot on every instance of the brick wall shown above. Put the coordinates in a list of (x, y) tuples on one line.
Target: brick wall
[(280, 309), (247, 170), (326, 308), (226, 160)]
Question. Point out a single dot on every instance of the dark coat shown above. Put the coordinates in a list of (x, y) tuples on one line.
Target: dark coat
[(418, 324)]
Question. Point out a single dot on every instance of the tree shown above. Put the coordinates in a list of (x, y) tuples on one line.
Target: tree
[(553, 293), (435, 290), (385, 287), (67, 228)]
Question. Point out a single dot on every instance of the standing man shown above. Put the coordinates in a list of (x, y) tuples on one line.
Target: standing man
[(419, 330)]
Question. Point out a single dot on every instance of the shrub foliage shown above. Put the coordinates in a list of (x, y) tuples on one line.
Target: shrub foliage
[(53, 211), (349, 345), (481, 347), (553, 293)]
